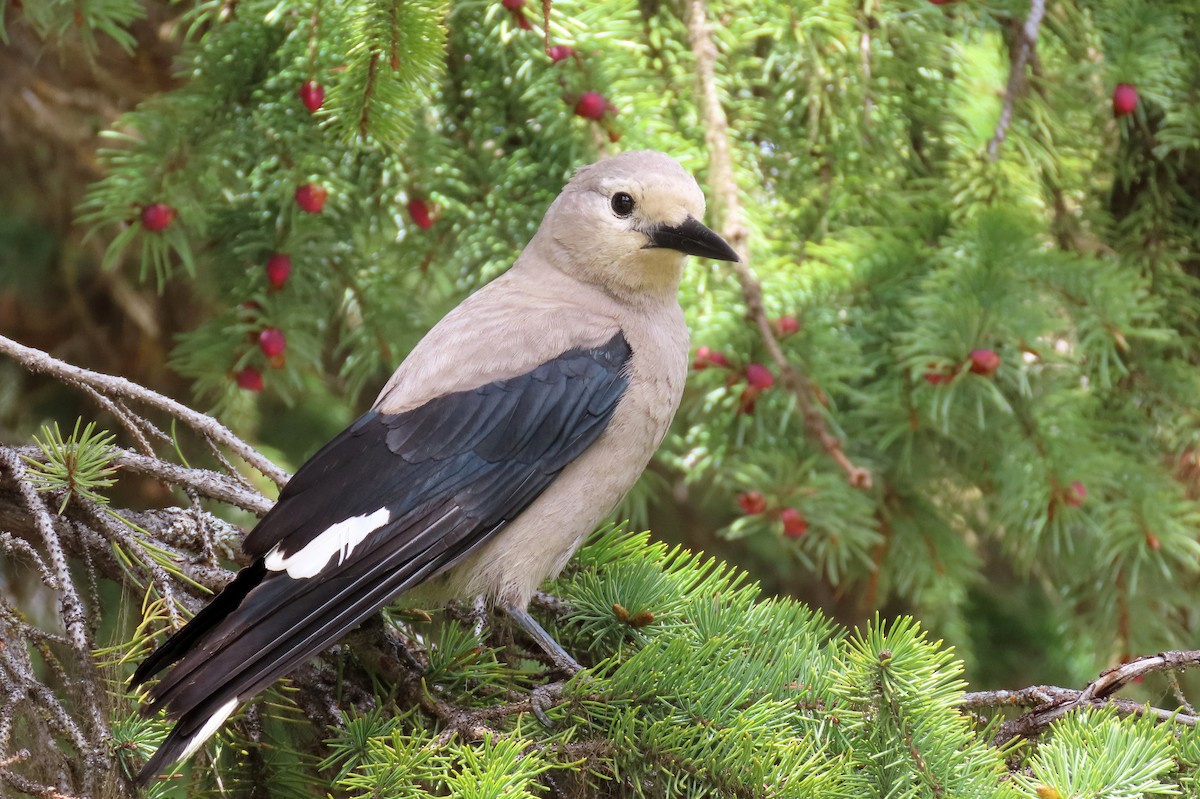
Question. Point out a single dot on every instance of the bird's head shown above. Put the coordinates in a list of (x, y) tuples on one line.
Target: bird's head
[(626, 224)]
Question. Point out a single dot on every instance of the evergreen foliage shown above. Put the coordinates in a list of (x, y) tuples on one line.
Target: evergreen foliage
[(994, 282), (77, 464)]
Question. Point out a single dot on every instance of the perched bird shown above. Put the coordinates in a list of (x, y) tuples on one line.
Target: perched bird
[(510, 431)]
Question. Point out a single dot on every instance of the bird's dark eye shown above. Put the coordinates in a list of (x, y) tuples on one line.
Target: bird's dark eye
[(622, 204)]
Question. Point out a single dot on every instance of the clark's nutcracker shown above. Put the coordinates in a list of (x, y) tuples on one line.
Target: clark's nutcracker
[(511, 430)]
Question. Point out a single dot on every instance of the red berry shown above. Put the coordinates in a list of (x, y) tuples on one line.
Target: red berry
[(752, 502), (1125, 100), (419, 212), (984, 362), (559, 52), (786, 326), (516, 7), (279, 267), (1075, 495), (759, 376), (591, 105), (312, 94), (794, 523), (707, 356), (272, 342), (157, 216), (311, 197), (250, 379)]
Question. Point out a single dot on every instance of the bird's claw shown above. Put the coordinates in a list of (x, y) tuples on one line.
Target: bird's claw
[(542, 699)]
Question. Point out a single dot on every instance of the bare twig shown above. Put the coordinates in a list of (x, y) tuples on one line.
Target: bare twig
[(459, 722), (9, 616), (107, 526), (733, 228), (1054, 699), (25, 785), (551, 603), (1050, 703), (1177, 692), (209, 484), (172, 528), (122, 415), (471, 724), (71, 607), (1022, 50), (227, 466), (10, 543), (111, 386), (213, 485), (23, 685)]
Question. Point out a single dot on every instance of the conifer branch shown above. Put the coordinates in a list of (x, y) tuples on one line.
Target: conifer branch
[(40, 362), (368, 95), (87, 531), (735, 231), (1022, 51), (868, 23), (1050, 703)]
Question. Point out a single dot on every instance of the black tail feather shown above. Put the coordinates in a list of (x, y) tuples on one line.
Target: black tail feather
[(173, 746), (307, 615), (213, 614), (253, 649)]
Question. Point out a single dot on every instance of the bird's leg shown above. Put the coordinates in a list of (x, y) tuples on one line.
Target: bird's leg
[(551, 647), (479, 615)]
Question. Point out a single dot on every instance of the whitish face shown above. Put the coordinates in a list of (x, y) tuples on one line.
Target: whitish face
[(628, 222)]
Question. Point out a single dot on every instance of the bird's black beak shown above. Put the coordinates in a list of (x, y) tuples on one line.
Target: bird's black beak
[(691, 238)]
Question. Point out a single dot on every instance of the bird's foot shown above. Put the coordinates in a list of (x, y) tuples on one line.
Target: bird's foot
[(383, 650), (542, 699), (408, 659)]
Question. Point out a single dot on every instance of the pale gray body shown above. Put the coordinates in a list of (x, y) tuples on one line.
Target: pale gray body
[(537, 319), (574, 286), (418, 495)]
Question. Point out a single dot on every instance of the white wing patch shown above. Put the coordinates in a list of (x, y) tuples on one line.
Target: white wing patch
[(212, 725), (339, 539)]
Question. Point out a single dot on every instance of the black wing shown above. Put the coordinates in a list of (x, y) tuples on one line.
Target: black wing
[(450, 474)]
